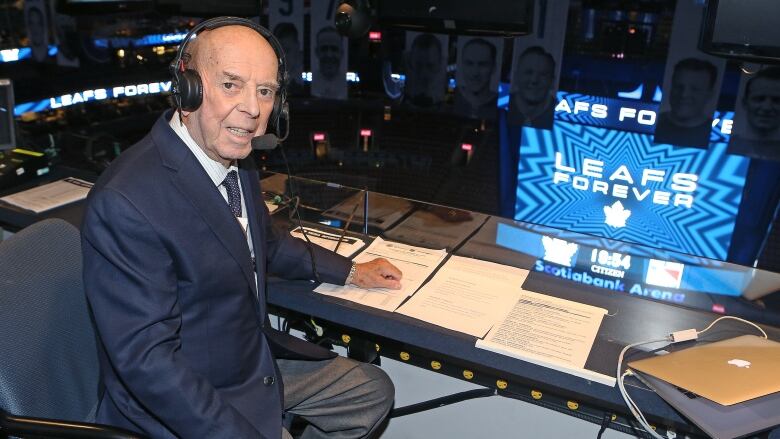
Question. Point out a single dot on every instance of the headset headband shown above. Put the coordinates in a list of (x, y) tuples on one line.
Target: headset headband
[(213, 23)]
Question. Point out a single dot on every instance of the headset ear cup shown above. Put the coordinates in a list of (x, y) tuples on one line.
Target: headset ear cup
[(190, 90)]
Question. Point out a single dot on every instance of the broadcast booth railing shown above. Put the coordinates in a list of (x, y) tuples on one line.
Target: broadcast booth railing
[(647, 293)]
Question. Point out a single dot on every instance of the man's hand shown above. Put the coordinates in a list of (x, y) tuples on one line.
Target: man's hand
[(378, 273)]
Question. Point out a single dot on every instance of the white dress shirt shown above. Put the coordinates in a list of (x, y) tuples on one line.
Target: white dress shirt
[(217, 172)]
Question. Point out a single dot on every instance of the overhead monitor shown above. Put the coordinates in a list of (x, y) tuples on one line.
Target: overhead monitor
[(501, 17), (7, 133), (747, 30), (76, 7)]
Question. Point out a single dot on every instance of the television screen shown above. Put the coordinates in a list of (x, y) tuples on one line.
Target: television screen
[(745, 29), (7, 134), (505, 17), (102, 6), (621, 185)]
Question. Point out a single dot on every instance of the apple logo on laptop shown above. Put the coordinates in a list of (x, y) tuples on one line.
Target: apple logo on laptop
[(740, 363)]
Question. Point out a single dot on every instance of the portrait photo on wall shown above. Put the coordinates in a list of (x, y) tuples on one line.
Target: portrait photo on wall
[(66, 38), (285, 19), (691, 86), (477, 76), (329, 52), (425, 59), (37, 23), (756, 131), (533, 86), (536, 67), (289, 38)]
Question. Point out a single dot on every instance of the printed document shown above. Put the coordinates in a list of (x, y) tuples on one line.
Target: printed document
[(349, 245), (48, 196), (416, 264), (467, 295), (550, 332)]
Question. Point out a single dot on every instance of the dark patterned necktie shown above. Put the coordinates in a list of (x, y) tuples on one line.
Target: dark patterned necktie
[(233, 193)]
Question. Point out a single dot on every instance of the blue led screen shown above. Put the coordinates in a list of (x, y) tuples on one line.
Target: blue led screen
[(620, 185)]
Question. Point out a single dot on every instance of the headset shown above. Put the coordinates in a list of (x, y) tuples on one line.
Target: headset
[(188, 87)]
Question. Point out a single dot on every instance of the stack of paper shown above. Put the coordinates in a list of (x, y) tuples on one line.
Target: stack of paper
[(416, 264), (467, 295), (550, 332), (51, 195)]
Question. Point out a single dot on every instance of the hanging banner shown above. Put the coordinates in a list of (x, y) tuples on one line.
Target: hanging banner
[(329, 53), (757, 117), (66, 37), (285, 19), (426, 69), (536, 66), (37, 23), (691, 83), (476, 79)]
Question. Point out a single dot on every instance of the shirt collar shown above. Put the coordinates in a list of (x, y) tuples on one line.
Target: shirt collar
[(215, 170)]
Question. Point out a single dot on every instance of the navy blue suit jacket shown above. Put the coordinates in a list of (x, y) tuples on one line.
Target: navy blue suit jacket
[(185, 350)]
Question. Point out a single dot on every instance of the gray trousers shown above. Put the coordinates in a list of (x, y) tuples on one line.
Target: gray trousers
[(339, 398)]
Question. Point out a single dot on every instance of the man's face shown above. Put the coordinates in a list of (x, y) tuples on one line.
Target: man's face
[(762, 103), (533, 78), (477, 68), (425, 63), (238, 69), (329, 54), (690, 92)]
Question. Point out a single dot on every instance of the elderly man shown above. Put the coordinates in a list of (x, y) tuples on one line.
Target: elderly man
[(177, 243)]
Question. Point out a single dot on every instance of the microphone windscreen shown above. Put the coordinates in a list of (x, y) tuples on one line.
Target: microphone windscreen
[(265, 142)]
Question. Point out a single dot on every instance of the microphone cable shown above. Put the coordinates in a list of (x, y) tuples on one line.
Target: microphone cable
[(297, 213)]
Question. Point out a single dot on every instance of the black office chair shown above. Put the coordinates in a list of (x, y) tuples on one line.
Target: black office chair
[(48, 352)]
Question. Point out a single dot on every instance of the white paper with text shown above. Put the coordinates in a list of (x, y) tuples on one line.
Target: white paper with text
[(550, 332), (48, 196), (416, 264), (467, 295)]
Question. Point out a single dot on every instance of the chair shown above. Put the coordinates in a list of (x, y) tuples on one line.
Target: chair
[(48, 353)]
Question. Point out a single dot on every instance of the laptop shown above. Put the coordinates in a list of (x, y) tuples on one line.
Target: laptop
[(719, 421), (727, 372)]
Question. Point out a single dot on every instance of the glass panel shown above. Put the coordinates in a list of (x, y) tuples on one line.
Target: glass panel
[(611, 265)]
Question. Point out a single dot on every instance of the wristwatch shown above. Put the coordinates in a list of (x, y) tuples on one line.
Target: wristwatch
[(351, 274)]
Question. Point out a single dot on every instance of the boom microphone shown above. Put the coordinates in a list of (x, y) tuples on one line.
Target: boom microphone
[(266, 142)]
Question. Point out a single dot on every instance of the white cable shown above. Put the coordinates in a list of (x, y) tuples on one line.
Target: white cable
[(672, 338), (621, 385), (732, 318)]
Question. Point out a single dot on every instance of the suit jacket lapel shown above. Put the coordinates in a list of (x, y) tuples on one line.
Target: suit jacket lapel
[(251, 186), (191, 179)]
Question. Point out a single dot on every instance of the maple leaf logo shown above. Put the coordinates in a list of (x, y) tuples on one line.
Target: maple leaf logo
[(616, 215), (558, 251)]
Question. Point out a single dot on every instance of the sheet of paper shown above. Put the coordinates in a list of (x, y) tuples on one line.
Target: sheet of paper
[(272, 207), (349, 245), (467, 295), (50, 195), (550, 332), (416, 264)]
